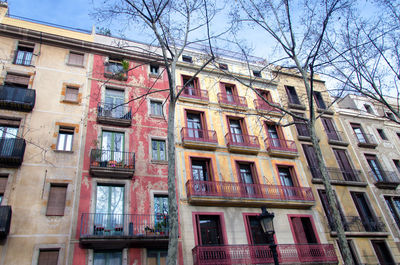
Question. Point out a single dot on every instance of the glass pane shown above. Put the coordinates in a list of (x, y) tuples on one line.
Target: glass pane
[(61, 141), (68, 145), (99, 258)]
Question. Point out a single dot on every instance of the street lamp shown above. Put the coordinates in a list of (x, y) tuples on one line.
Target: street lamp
[(267, 224)]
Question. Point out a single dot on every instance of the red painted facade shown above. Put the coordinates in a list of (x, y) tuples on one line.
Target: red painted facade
[(149, 178)]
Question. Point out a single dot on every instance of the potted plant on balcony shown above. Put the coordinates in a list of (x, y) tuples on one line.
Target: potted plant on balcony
[(112, 163), (149, 231)]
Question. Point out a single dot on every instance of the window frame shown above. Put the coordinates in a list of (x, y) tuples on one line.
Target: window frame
[(293, 99), (158, 140), (394, 211), (382, 134), (24, 45), (257, 73), (42, 250), (292, 172), (223, 66), (71, 88), (63, 130), (154, 67), (76, 54), (319, 100), (51, 200), (196, 226), (159, 105), (368, 109), (187, 58), (208, 167)]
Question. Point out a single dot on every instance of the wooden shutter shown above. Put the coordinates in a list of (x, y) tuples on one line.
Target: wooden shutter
[(71, 93), (75, 58), (17, 79), (298, 228), (56, 201), (3, 184), (48, 257), (342, 160)]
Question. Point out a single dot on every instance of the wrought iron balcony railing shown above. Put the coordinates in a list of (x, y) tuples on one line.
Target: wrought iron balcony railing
[(357, 224), (243, 140), (232, 100), (233, 190), (114, 114), (16, 98), (385, 179), (262, 254), (280, 145), (12, 151), (104, 225), (194, 93), (5, 220), (337, 174), (365, 140), (112, 163), (261, 105), (199, 135), (336, 137)]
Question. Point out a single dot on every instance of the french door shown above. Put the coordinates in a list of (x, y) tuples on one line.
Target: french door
[(112, 146)]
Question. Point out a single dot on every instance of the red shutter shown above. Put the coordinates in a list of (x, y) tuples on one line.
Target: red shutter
[(56, 201), (298, 228), (48, 257)]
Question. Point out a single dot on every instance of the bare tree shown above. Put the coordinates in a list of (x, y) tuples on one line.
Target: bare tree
[(172, 24), (299, 29)]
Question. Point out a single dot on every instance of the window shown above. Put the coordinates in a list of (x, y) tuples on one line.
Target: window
[(48, 257), (209, 230), (256, 234), (8, 139), (75, 58), (109, 210), (156, 257), (382, 252), (113, 106), (17, 80), (266, 95), (236, 130), (158, 150), (107, 258), (114, 66), (248, 177), (3, 185), (368, 108), (292, 95), (229, 92), (287, 176), (328, 213), (192, 87), (187, 58), (398, 135), (319, 100), (375, 167), (301, 126), (275, 136), (257, 73), (353, 252), (397, 164), (156, 108), (359, 133), (24, 54), (366, 214), (195, 124), (154, 69), (390, 116), (112, 145), (303, 230), (201, 169), (330, 129), (345, 166), (311, 158), (71, 93), (393, 204), (382, 134), (56, 201), (65, 137), (161, 213), (223, 66)]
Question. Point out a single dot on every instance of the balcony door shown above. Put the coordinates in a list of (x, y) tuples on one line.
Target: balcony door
[(7, 139), (229, 92), (367, 217), (209, 230), (109, 209), (236, 130), (195, 125), (330, 129), (311, 158), (191, 88), (161, 212), (201, 171), (375, 167), (275, 136), (303, 230), (344, 164), (287, 178), (328, 212), (359, 133), (107, 258), (247, 178), (114, 100), (382, 252), (112, 146), (256, 234)]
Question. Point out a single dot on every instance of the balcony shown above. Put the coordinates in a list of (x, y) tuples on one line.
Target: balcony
[(249, 195), (262, 254), (112, 164), (111, 114), (385, 179), (341, 177), (194, 95), (303, 134), (265, 108), (242, 143), (16, 98), (232, 101), (100, 230), (337, 138), (356, 226), (365, 140), (199, 139), (5, 221), (11, 152), (281, 148)]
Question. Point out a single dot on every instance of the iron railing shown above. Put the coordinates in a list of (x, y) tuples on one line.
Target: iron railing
[(338, 174), (195, 93), (12, 149), (365, 139), (113, 111), (280, 145), (384, 177), (262, 254), (198, 135), (232, 100), (17, 98), (233, 190), (244, 140), (112, 159), (262, 105), (335, 136), (357, 224), (116, 225), (5, 220), (302, 130)]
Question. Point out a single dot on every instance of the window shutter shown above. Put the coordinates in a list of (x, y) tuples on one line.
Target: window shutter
[(17, 79), (48, 257), (3, 184), (71, 94), (75, 58), (56, 202)]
